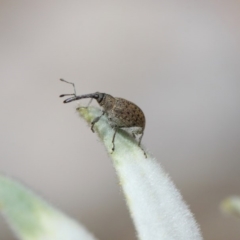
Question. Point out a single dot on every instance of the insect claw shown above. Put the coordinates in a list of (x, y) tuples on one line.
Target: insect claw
[(92, 128)]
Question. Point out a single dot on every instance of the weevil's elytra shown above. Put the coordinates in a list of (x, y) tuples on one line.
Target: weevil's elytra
[(120, 112)]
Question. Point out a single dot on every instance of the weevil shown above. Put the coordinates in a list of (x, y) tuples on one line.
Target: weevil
[(120, 113)]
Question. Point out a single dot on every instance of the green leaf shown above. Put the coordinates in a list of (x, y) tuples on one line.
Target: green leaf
[(155, 204), (31, 218)]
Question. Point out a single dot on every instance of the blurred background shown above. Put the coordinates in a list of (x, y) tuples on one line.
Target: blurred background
[(178, 60)]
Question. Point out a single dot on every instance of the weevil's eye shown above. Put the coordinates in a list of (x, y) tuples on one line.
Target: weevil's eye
[(99, 96)]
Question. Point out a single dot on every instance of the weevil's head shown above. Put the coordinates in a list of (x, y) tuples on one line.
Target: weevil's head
[(99, 97), (106, 101)]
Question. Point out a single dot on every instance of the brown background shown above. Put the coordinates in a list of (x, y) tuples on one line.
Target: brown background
[(178, 60)]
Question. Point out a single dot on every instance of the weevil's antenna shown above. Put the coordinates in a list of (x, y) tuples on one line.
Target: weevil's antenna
[(72, 94)]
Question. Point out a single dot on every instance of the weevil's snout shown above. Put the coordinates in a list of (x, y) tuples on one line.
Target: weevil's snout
[(98, 96)]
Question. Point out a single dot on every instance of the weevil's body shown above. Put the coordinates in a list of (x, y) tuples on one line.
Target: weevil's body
[(121, 113)]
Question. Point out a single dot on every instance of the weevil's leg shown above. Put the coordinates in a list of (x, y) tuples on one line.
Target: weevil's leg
[(139, 143), (96, 120), (113, 147), (144, 153), (134, 135), (89, 102), (140, 139), (73, 94)]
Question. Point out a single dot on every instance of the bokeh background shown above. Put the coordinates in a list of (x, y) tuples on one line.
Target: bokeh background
[(178, 60)]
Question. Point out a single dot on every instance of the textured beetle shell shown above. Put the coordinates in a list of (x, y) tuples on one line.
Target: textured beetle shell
[(125, 114)]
